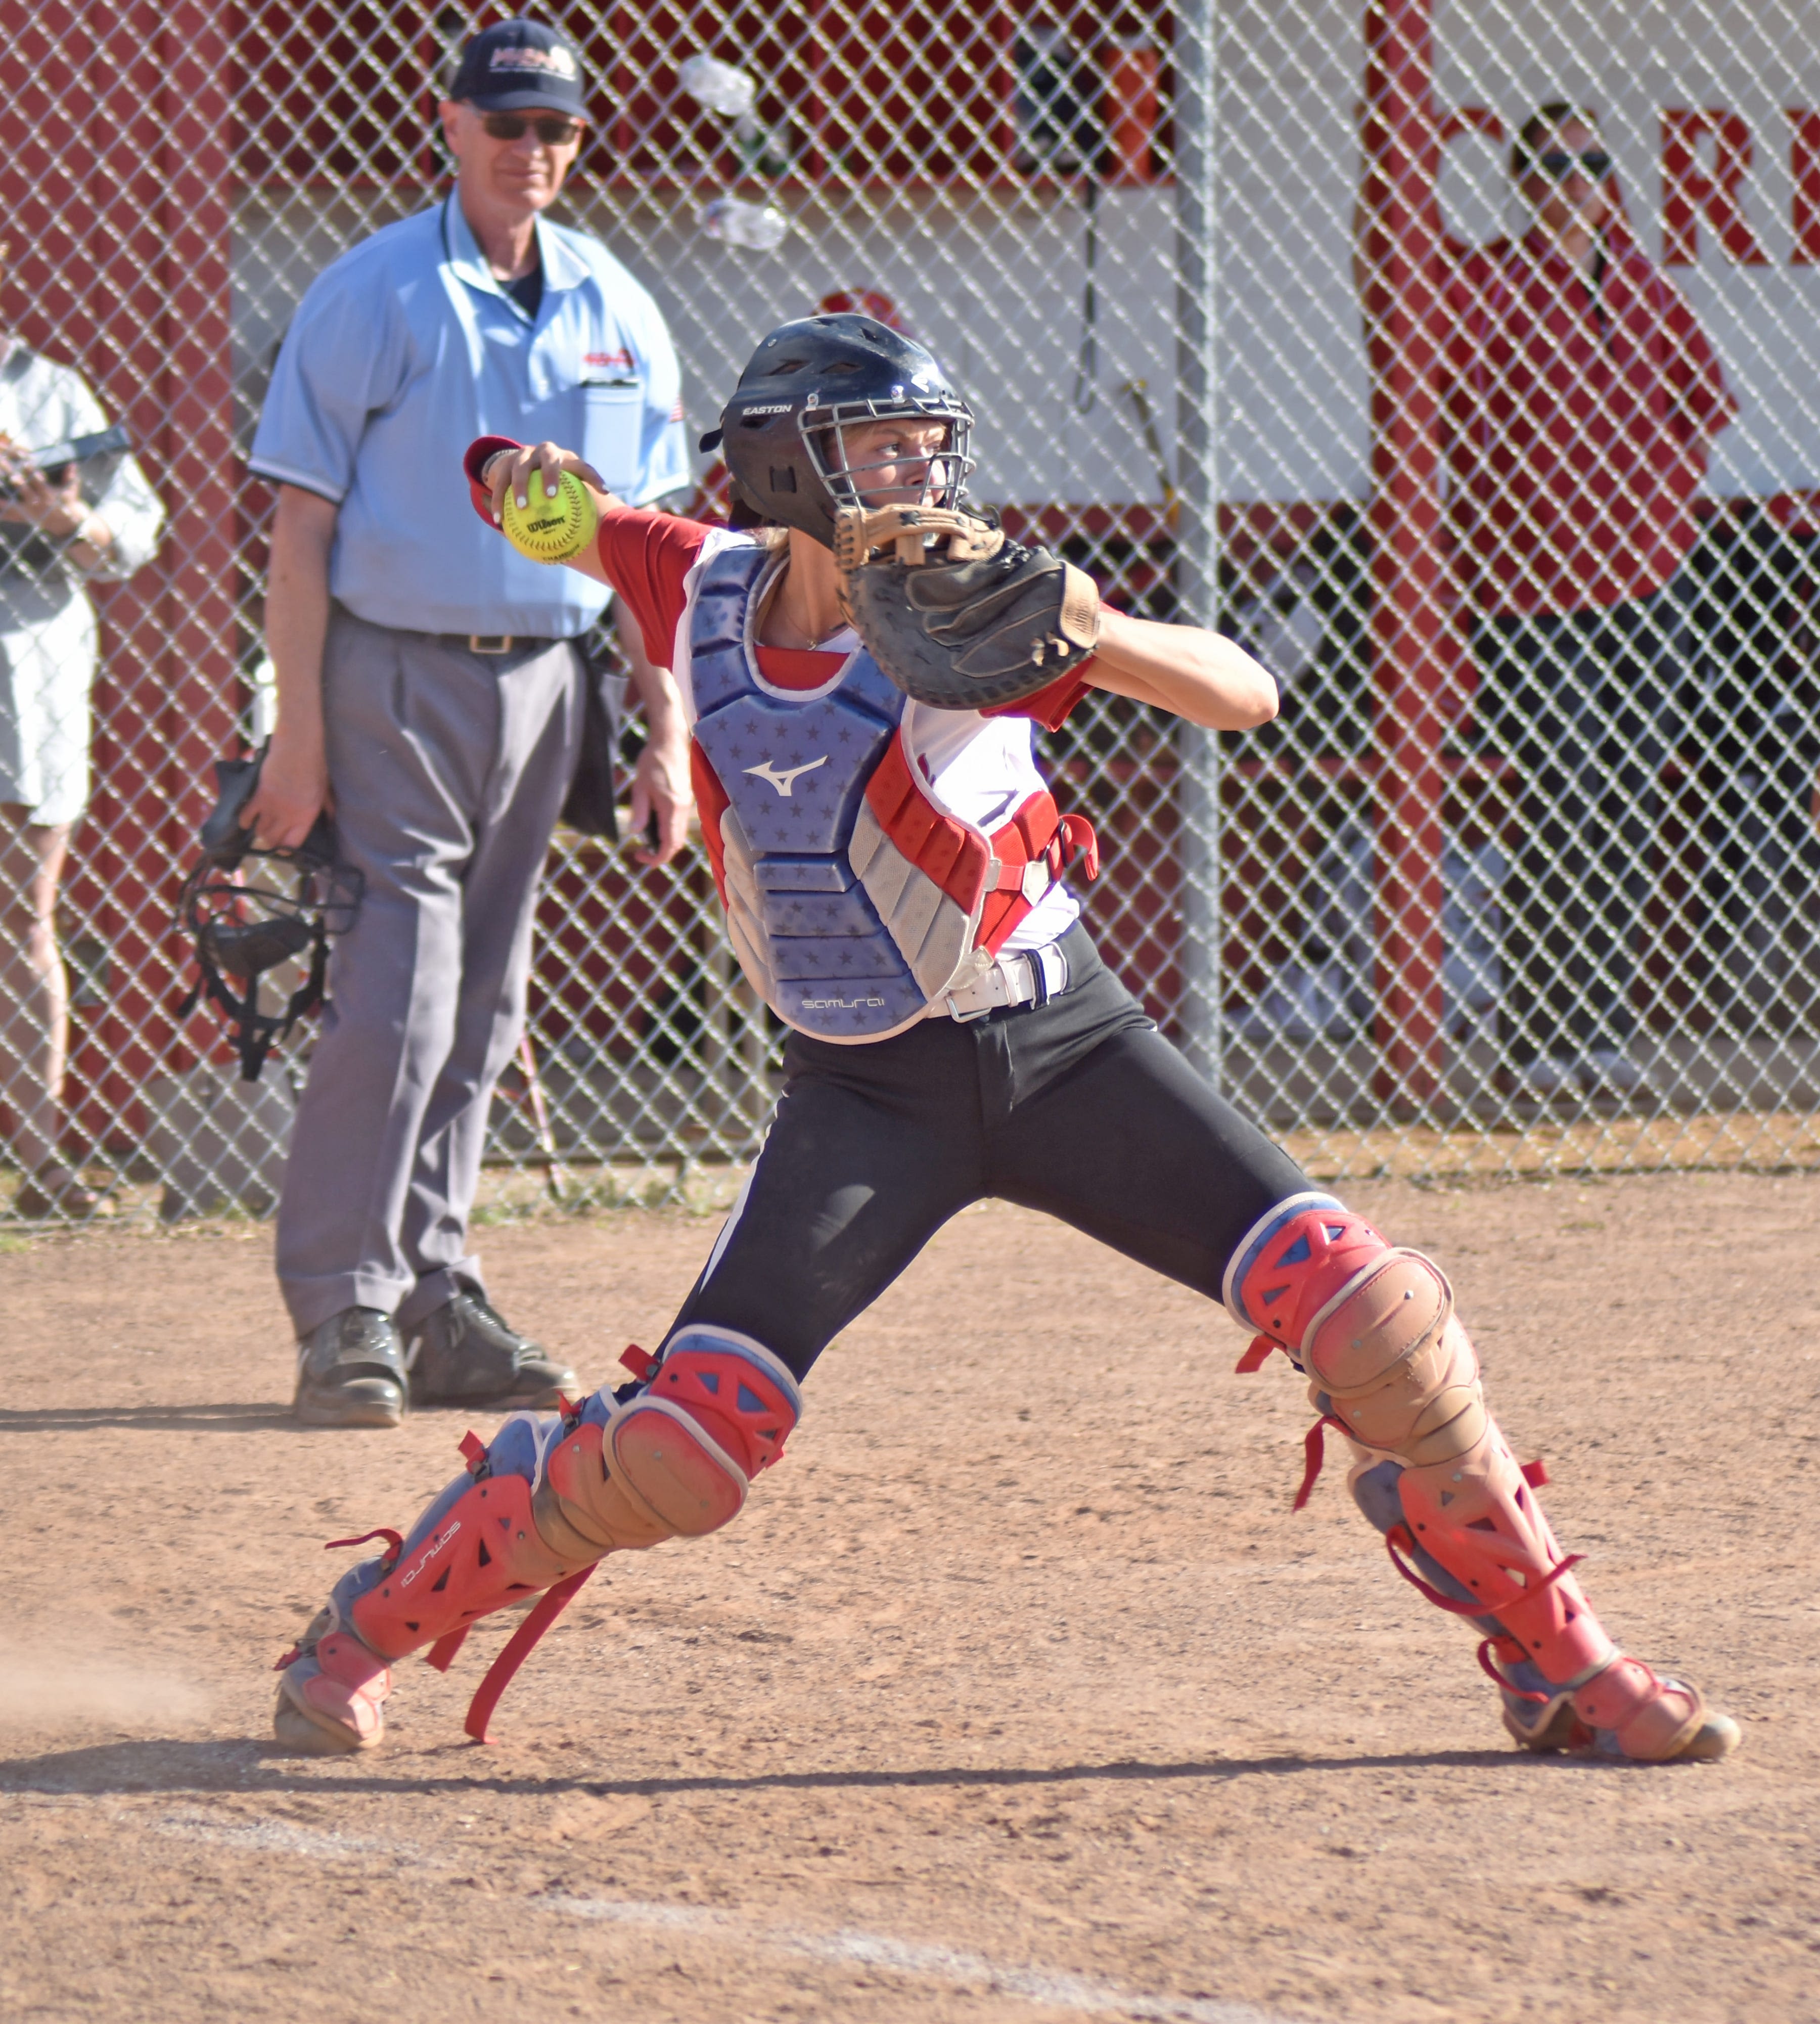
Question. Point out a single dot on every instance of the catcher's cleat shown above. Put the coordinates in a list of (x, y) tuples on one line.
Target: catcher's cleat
[(467, 1354), (331, 1690), (1625, 1710), (350, 1372)]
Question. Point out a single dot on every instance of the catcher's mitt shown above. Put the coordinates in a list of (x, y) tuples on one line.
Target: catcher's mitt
[(956, 614)]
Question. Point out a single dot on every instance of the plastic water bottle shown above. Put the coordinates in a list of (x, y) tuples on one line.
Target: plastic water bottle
[(761, 227), (718, 87)]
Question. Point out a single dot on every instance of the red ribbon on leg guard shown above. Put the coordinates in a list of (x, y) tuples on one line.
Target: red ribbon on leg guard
[(1314, 1449), (549, 1606), (395, 1541), (1487, 1647), (388, 1560), (441, 1654), (1258, 1354), (1400, 1540)]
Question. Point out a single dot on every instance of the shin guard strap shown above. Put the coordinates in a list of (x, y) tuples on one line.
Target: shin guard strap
[(1488, 1646), (1400, 1540), (519, 1647), (1314, 1451), (441, 1654), (388, 1560), (1257, 1353)]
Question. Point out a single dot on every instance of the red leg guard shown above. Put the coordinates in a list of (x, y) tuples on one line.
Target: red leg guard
[(1484, 1524), (676, 1459), (537, 1508), (484, 1553), (333, 1699), (1292, 1263), (1389, 1364), (1649, 1718)]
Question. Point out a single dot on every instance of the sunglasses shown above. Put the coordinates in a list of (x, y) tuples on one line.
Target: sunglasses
[(1557, 165), (552, 130)]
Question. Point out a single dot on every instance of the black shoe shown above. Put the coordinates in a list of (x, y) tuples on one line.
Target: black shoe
[(465, 1354), (350, 1372)]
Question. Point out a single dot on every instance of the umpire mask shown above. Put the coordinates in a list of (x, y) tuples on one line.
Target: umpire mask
[(260, 920)]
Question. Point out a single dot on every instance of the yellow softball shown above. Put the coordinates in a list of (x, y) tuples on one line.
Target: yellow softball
[(551, 526)]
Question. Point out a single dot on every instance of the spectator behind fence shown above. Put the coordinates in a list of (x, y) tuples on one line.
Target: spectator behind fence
[(59, 529), (431, 690), (1581, 399)]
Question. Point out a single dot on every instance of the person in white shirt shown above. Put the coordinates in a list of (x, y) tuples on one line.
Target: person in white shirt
[(61, 529)]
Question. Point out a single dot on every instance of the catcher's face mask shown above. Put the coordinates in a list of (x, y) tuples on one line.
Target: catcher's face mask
[(260, 920), (907, 459)]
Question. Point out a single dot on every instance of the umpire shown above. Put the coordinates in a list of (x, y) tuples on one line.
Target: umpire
[(430, 690)]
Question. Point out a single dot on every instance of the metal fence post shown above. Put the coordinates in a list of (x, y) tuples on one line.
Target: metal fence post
[(1197, 530), (1417, 653)]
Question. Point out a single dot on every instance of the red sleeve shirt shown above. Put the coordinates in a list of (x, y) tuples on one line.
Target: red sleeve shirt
[(1574, 420), (646, 557)]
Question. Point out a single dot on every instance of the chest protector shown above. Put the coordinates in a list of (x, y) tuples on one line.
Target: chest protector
[(853, 902)]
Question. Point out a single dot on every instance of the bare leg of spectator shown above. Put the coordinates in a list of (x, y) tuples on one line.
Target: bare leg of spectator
[(35, 1011)]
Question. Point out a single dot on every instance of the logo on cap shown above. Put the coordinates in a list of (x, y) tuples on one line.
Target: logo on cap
[(555, 59)]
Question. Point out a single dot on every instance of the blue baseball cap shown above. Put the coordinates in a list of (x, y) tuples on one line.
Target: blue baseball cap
[(521, 66)]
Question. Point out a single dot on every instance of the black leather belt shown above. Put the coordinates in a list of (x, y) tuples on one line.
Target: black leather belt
[(494, 642)]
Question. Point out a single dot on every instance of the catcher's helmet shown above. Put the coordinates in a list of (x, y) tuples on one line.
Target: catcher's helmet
[(782, 433), (251, 911)]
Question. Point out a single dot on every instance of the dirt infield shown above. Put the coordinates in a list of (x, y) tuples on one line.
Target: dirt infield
[(1018, 1692)]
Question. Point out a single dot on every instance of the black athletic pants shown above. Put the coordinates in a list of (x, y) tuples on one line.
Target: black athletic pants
[(1079, 1108)]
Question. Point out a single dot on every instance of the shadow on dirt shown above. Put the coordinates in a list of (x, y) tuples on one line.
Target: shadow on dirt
[(211, 1418), (247, 1766)]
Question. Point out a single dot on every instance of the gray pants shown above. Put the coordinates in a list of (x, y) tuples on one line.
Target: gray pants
[(448, 769)]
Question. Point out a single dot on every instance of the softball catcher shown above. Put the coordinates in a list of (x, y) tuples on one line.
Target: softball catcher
[(864, 660)]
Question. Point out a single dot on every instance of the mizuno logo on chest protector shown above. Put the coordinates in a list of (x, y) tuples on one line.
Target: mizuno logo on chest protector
[(783, 782)]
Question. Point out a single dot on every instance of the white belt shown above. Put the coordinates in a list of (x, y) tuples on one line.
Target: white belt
[(1033, 979)]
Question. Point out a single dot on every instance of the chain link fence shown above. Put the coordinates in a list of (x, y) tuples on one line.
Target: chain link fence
[(1254, 317)]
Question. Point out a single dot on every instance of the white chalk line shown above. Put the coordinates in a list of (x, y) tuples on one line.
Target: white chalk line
[(848, 1947), (280, 1837), (1060, 1991)]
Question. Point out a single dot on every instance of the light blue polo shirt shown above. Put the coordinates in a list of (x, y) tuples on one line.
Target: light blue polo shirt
[(403, 351)]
